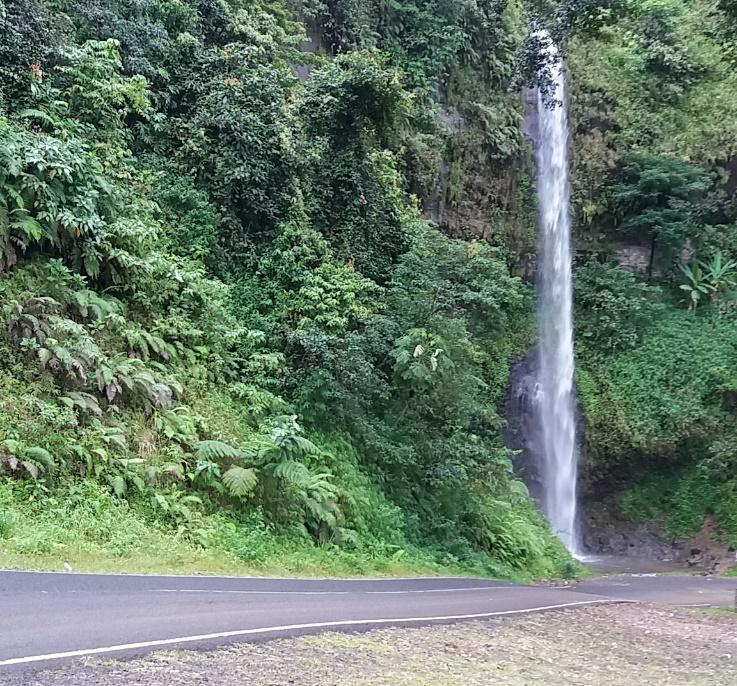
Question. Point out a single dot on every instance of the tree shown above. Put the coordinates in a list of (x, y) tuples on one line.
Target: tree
[(656, 198), (353, 110), (613, 307)]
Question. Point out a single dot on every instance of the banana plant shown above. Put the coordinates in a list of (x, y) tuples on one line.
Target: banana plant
[(721, 274), (697, 284), (715, 279)]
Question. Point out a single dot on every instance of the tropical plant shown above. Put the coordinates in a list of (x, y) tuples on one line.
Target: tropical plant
[(721, 273), (30, 461), (697, 283), (614, 307), (708, 280)]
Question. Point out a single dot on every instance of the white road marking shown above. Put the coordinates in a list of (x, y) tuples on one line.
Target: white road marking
[(246, 592), (244, 577), (289, 627)]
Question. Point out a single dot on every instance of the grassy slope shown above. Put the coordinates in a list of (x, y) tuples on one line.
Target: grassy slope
[(87, 527)]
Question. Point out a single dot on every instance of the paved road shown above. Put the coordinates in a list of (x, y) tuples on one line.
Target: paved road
[(668, 589), (48, 618)]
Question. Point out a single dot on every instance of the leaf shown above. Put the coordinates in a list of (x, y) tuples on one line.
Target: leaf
[(117, 483), (31, 228), (11, 445), (240, 481), (294, 472), (31, 467), (44, 355), (212, 450), (40, 455)]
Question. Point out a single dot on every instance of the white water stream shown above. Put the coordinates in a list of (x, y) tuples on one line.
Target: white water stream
[(556, 402)]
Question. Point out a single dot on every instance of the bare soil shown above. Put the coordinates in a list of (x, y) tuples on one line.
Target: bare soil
[(606, 645)]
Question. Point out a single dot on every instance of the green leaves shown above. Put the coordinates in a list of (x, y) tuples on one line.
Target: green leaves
[(216, 450), (21, 460), (713, 280), (240, 481), (420, 360), (657, 198), (614, 308), (356, 97)]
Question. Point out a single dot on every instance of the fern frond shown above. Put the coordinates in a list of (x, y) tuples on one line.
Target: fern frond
[(214, 450), (118, 484), (240, 481), (40, 456), (31, 468), (293, 472)]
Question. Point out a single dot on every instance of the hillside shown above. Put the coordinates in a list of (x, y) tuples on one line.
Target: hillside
[(265, 266)]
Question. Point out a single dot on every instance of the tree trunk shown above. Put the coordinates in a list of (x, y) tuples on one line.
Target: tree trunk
[(652, 259)]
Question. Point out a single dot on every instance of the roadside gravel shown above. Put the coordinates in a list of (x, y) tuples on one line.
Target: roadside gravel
[(606, 645)]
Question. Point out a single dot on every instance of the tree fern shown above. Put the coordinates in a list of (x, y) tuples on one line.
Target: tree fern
[(293, 472), (240, 481), (216, 450)]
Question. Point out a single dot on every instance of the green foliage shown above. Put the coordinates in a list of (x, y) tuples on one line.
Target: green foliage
[(31, 461), (685, 500), (587, 17), (655, 200), (712, 280), (353, 109), (666, 400), (653, 129), (197, 248), (240, 481), (355, 99), (666, 55), (229, 121), (425, 39), (613, 308), (29, 38), (215, 450)]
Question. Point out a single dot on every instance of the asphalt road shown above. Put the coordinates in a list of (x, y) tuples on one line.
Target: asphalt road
[(48, 618)]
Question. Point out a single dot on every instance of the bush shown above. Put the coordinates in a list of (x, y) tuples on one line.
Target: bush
[(613, 308)]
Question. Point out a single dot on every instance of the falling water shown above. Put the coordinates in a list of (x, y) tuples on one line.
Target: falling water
[(556, 404)]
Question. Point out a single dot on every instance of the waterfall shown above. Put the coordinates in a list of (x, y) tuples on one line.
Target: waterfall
[(556, 402)]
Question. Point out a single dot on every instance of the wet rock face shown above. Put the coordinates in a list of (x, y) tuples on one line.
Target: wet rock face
[(625, 539), (605, 533), (523, 430), (632, 256)]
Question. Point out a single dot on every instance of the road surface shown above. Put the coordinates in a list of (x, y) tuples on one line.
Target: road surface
[(47, 618)]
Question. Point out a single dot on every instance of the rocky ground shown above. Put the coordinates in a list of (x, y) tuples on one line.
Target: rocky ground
[(606, 645)]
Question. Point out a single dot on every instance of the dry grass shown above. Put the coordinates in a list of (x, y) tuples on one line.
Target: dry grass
[(608, 645)]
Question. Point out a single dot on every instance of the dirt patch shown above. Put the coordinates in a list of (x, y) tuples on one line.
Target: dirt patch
[(606, 645)]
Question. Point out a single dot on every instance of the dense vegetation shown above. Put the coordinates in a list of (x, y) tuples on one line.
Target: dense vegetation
[(229, 335), (261, 291), (655, 172)]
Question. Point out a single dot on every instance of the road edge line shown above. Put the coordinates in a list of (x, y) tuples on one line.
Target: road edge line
[(84, 652)]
